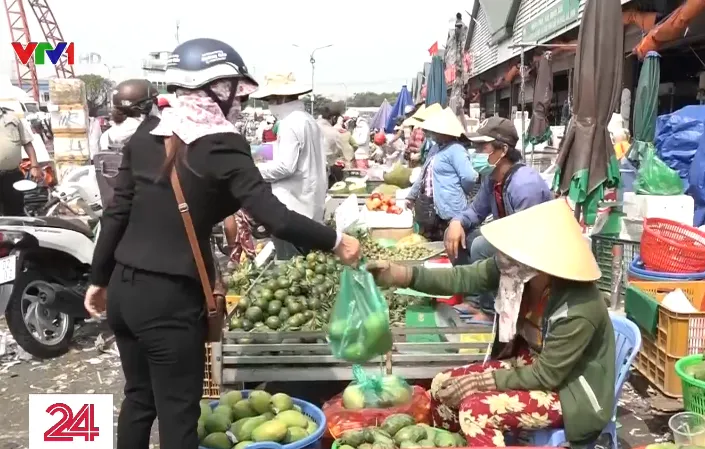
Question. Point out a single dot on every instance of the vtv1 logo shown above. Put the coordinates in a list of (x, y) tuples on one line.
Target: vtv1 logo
[(70, 421), (39, 49)]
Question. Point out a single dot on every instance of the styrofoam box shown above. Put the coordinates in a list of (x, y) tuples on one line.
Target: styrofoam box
[(70, 118), (678, 208), (71, 147)]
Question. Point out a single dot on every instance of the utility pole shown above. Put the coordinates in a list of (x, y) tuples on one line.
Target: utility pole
[(312, 60), (178, 41)]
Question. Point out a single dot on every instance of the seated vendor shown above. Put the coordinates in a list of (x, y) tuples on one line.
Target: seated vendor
[(556, 364), (507, 187)]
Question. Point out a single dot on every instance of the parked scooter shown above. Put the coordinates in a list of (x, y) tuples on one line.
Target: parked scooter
[(45, 266)]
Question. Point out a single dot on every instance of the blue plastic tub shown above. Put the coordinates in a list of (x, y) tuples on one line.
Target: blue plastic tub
[(310, 442), (638, 271)]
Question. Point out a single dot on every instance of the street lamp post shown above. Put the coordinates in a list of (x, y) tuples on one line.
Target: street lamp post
[(312, 60)]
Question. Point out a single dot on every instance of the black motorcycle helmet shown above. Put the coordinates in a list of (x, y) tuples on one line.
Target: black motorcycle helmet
[(197, 63), (134, 96)]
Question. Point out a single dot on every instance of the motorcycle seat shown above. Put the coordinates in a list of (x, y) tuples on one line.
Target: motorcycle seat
[(70, 224)]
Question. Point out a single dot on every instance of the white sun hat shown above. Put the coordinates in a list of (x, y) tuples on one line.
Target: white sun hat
[(280, 84)]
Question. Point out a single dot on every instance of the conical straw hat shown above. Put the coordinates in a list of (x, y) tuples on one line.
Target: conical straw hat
[(428, 112), (419, 112), (443, 122), (411, 121), (546, 237)]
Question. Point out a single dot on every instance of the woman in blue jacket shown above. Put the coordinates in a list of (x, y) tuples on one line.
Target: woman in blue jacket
[(447, 177)]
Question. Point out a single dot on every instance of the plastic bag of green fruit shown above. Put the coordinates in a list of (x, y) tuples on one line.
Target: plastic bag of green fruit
[(359, 328)]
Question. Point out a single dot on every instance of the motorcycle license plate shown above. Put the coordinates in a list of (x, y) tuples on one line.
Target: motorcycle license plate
[(8, 269)]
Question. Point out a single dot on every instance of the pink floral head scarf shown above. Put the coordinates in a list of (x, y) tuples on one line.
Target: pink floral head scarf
[(194, 114)]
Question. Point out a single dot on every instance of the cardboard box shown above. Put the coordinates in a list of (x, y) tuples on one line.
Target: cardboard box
[(71, 119), (67, 91), (71, 148)]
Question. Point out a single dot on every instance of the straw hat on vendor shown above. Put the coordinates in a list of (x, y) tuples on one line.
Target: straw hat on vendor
[(554, 358)]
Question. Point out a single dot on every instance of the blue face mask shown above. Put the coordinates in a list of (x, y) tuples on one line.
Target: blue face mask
[(481, 164)]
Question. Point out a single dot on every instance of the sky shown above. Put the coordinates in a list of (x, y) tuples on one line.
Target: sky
[(377, 45)]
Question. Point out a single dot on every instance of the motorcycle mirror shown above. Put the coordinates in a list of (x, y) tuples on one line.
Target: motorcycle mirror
[(24, 185)]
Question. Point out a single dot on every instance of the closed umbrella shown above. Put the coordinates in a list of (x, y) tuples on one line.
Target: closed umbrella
[(646, 106), (539, 131), (403, 100), (379, 121), (437, 90), (586, 163)]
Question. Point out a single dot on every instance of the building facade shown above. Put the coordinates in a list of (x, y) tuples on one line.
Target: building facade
[(501, 29)]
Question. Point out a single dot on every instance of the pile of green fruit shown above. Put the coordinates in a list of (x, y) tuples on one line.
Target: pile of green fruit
[(374, 251), (238, 422), (241, 278), (294, 296), (399, 431)]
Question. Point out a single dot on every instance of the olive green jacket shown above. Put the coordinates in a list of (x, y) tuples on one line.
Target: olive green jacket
[(578, 354)]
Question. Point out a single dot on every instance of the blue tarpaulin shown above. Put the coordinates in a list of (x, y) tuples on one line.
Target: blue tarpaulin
[(403, 100), (678, 136), (436, 90), (379, 121)]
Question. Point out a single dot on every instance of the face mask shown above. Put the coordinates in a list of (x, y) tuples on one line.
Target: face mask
[(277, 109), (481, 164)]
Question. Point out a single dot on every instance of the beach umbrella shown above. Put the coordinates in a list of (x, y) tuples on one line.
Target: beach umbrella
[(437, 90), (403, 100), (646, 106), (379, 121), (539, 130), (586, 163)]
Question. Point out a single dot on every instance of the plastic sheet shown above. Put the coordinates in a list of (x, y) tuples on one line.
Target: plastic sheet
[(678, 137), (341, 419), (656, 178), (359, 329)]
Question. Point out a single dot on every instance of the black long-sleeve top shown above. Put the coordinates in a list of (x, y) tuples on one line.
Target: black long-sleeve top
[(143, 229)]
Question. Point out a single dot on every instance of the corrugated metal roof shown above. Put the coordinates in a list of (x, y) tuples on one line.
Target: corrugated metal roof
[(487, 56)]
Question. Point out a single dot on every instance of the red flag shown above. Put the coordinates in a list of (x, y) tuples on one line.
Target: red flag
[(433, 51)]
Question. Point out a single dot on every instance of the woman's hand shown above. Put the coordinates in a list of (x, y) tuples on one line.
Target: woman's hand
[(348, 250), (454, 237), (388, 274), (455, 389), (95, 300)]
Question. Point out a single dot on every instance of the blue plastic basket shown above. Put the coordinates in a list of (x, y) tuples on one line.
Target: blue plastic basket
[(310, 442), (637, 270)]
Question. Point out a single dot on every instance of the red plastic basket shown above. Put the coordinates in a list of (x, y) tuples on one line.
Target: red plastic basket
[(672, 247)]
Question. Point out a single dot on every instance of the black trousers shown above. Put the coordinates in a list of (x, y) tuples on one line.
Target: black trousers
[(11, 200), (160, 328)]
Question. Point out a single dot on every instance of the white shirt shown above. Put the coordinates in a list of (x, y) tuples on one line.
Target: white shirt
[(297, 171), (119, 134)]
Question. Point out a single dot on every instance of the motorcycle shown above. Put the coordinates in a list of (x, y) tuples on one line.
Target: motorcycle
[(45, 264)]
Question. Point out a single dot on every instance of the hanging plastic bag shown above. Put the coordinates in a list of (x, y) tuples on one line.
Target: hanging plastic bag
[(656, 178), (359, 329), (370, 399)]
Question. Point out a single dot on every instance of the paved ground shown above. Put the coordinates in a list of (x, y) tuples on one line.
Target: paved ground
[(87, 370)]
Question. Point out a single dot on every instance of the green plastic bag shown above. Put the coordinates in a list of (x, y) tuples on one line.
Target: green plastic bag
[(655, 177), (376, 391), (359, 328)]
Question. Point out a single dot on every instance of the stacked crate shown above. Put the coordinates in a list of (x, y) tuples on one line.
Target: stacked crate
[(69, 123)]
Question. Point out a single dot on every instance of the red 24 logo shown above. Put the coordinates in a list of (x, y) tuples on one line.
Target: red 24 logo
[(72, 426)]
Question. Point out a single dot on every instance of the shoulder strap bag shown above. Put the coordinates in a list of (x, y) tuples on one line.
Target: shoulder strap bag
[(215, 297)]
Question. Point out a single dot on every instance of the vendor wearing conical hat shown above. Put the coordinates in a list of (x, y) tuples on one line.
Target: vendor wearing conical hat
[(552, 320), (447, 177)]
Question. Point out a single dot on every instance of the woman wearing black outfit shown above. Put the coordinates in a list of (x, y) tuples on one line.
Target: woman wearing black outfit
[(143, 263)]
